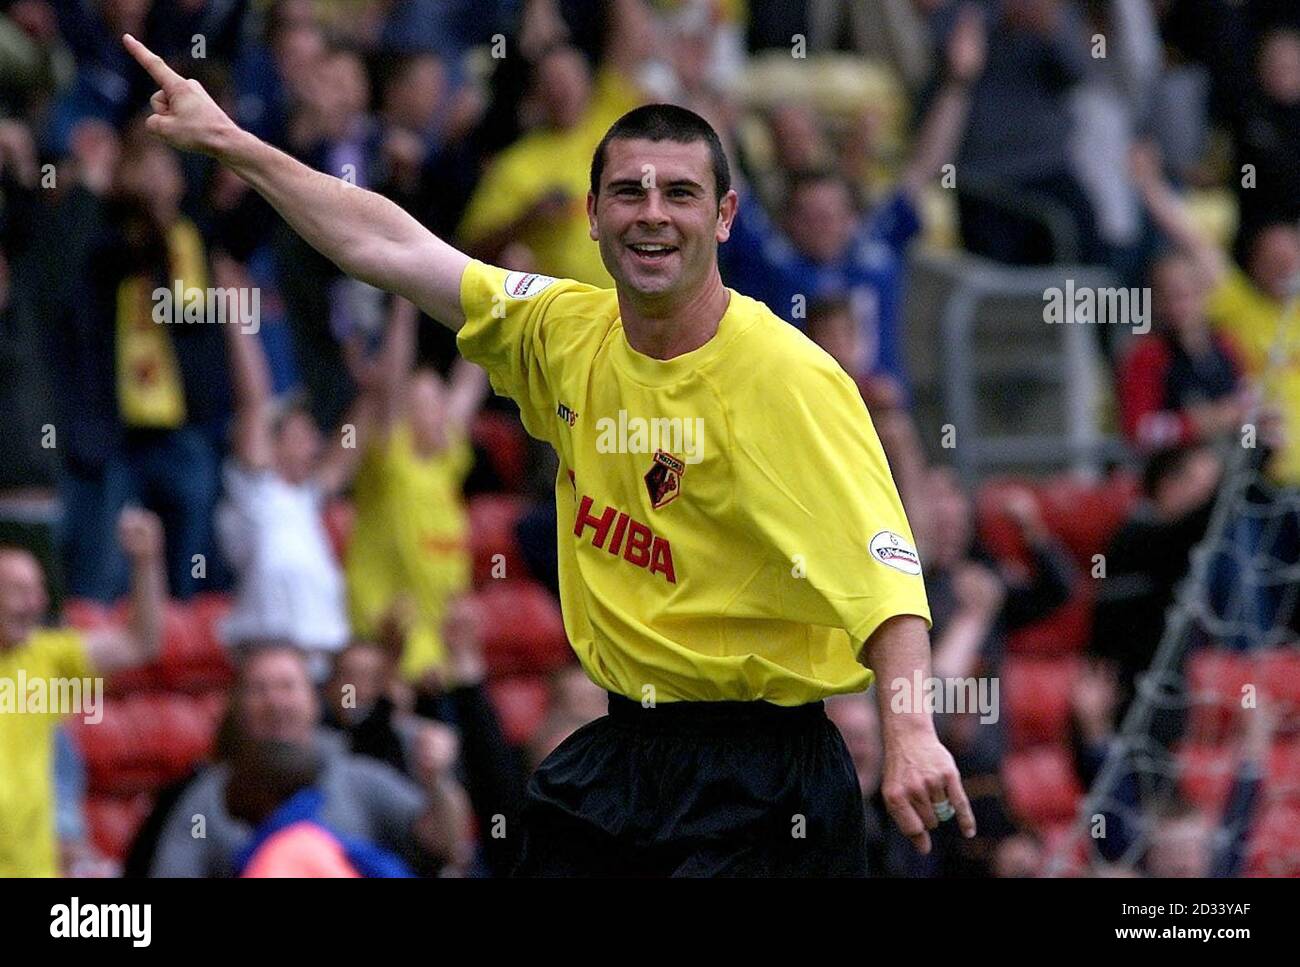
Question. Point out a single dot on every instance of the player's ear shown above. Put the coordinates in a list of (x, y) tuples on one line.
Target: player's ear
[(591, 217), (726, 214)]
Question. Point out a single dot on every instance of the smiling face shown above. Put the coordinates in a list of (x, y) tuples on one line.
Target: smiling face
[(658, 219)]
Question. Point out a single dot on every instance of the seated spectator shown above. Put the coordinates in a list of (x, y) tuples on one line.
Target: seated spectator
[(44, 656), (534, 192), (273, 787), (409, 546), (1182, 383), (975, 602), (825, 248), (1181, 840), (278, 478), (363, 798)]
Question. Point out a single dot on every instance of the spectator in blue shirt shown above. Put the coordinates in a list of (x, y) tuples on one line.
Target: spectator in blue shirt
[(822, 246)]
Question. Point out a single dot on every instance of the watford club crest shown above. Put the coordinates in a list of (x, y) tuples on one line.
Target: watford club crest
[(664, 481)]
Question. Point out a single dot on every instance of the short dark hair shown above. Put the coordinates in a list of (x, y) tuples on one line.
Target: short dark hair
[(797, 181), (823, 310), (665, 122)]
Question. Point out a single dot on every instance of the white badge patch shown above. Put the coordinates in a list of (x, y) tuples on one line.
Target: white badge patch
[(524, 285), (890, 549)]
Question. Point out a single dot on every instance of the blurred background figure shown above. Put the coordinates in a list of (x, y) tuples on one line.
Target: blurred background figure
[(273, 788), (408, 557), (339, 496)]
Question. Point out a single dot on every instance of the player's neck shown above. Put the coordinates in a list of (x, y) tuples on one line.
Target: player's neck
[(669, 330)]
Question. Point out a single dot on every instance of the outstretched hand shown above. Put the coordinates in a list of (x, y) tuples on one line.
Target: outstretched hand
[(184, 114)]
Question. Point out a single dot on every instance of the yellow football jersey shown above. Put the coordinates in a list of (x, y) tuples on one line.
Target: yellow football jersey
[(410, 541), (28, 846), (1254, 321), (728, 527), (544, 161)]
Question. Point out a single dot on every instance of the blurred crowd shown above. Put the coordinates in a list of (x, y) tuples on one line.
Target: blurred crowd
[(1157, 138)]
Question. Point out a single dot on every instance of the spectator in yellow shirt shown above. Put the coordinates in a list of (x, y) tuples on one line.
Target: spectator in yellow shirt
[(41, 668), (535, 191), (409, 553)]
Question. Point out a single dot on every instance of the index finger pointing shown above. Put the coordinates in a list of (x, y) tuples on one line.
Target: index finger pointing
[(957, 797), (151, 62)]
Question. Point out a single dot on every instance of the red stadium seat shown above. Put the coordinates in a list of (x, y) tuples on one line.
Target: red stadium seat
[(1035, 693), (1206, 774), (1066, 631), (492, 520), (1216, 679), (1284, 769), (1064, 844), (1084, 516), (521, 703), (1274, 845), (85, 615), (503, 438), (144, 741), (194, 660), (1040, 785), (1279, 674), (523, 633)]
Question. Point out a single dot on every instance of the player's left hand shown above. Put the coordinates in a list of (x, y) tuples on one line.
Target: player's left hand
[(920, 773)]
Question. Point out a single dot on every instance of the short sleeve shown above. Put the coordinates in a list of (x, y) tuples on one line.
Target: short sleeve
[(506, 333), (814, 482)]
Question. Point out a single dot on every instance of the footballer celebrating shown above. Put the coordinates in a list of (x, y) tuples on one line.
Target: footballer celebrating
[(720, 575)]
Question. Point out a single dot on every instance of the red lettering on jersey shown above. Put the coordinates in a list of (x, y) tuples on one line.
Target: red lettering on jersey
[(661, 559), (619, 528), (638, 544), (601, 523)]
